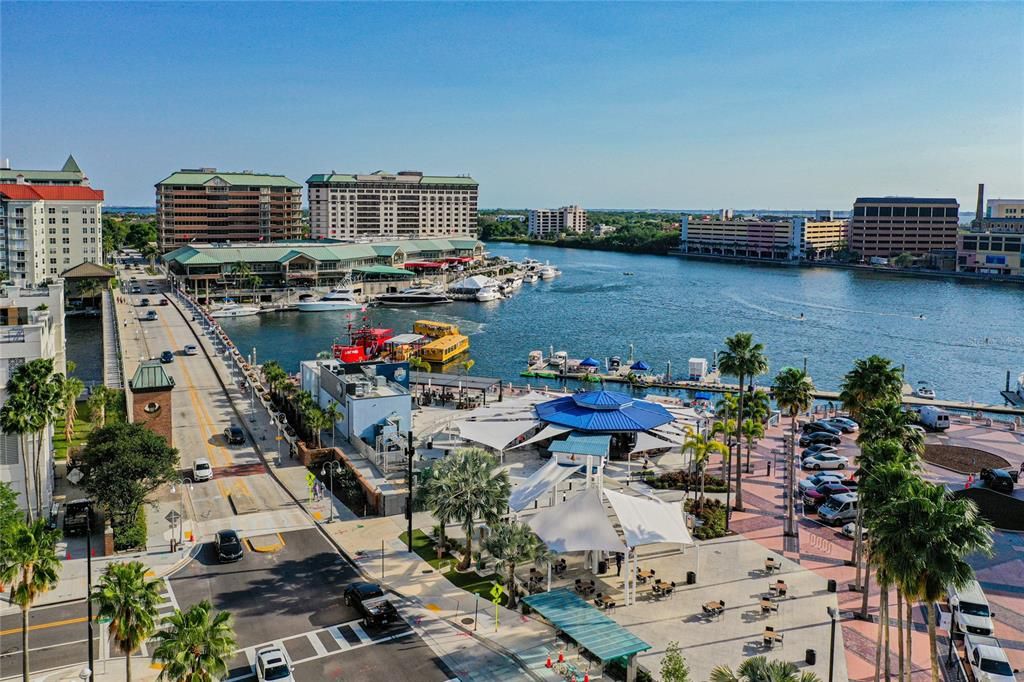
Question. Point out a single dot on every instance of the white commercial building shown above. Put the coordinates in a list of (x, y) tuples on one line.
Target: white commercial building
[(381, 206), (50, 221), (31, 328), (550, 222), (1004, 208)]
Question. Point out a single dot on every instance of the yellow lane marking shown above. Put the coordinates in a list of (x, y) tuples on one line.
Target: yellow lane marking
[(267, 549), (43, 626), (434, 607)]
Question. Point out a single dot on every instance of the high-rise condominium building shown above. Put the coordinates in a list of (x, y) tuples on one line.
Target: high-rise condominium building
[(69, 174), (381, 206), (205, 205), (31, 328), (550, 222), (890, 226)]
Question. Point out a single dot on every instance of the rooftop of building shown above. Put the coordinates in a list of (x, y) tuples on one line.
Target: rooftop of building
[(218, 254), (70, 172), (150, 376), (411, 177), (201, 176), (904, 200), (50, 192)]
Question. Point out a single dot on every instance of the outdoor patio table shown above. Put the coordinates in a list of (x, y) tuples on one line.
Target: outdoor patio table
[(644, 575), (779, 588)]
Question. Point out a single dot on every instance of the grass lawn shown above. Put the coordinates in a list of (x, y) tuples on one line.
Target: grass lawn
[(471, 581), (82, 430)]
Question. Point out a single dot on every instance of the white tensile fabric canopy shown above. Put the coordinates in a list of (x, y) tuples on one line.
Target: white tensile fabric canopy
[(647, 521), (581, 524), (494, 434), (645, 441), (548, 431), (542, 480), (521, 406)]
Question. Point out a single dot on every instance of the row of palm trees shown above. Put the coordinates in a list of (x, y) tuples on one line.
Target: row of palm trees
[(310, 415), (196, 644)]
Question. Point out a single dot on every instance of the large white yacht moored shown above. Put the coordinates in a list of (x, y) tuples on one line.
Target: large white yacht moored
[(234, 310), (414, 296), (338, 298)]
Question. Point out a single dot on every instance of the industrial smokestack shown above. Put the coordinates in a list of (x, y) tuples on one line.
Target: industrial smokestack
[(980, 211)]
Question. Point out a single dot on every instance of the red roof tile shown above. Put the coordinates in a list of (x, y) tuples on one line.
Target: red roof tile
[(51, 192)]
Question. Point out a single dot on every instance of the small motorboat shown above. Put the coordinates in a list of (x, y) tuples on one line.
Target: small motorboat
[(925, 391), (234, 310)]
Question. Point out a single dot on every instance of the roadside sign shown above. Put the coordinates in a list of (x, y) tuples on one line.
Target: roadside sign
[(496, 592), (278, 437), (173, 517), (310, 479), (75, 476)]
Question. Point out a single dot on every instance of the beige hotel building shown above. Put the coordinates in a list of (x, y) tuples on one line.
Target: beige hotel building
[(763, 238)]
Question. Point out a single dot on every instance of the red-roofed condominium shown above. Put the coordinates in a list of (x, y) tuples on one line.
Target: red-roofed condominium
[(50, 221), (205, 205)]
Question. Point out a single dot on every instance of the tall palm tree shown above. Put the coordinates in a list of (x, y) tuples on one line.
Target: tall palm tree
[(16, 416), (727, 428), (70, 390), (871, 379), (333, 414), (760, 669), (745, 360), (700, 449), (97, 404), (513, 543), (727, 406), (885, 419), (435, 494), (125, 597), (794, 394), (758, 405), (150, 251), (196, 645), (752, 430), (476, 490), (38, 389), (29, 566), (317, 420)]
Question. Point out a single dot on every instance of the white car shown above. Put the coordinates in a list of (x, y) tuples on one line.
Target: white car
[(825, 460), (987, 659), (850, 531), (817, 479), (191, 349), (201, 469), (272, 664)]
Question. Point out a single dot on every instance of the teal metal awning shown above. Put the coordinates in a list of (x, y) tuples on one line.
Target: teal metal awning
[(582, 444), (588, 627), (384, 270)]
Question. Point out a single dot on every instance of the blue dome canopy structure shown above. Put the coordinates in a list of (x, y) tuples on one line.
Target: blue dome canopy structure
[(640, 366), (603, 411), (590, 362)]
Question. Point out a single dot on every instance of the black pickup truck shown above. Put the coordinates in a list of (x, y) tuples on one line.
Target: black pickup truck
[(78, 517), (369, 600)]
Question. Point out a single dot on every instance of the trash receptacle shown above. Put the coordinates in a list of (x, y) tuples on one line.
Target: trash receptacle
[(602, 567), (691, 578), (810, 657), (831, 585)]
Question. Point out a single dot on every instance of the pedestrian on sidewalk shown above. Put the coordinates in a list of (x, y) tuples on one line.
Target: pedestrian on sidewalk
[(618, 563), (970, 481)]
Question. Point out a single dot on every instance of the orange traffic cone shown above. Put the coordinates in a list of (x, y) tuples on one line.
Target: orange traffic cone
[(548, 664), (561, 656), (586, 677)]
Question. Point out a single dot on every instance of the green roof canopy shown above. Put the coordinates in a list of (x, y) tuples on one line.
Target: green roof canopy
[(187, 177), (383, 270), (150, 376), (587, 626), (342, 178), (207, 254)]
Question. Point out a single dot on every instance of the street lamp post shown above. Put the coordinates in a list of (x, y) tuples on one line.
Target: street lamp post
[(833, 614), (331, 467), (183, 482), (88, 580), (954, 602)]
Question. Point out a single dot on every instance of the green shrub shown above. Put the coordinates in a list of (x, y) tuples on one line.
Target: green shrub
[(712, 516), (131, 536), (684, 480)]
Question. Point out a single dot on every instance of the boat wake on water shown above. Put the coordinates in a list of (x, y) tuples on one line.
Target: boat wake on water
[(822, 306), (769, 311)]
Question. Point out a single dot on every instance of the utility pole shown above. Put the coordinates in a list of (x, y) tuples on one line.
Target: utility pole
[(88, 579), (409, 451)]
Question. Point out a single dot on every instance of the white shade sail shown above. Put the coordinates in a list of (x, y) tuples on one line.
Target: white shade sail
[(549, 431), (578, 525), (647, 521), (645, 442), (542, 480), (494, 434)]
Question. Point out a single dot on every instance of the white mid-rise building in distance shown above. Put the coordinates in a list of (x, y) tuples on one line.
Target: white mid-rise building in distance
[(1004, 208), (386, 206), (31, 328), (50, 221), (550, 222)]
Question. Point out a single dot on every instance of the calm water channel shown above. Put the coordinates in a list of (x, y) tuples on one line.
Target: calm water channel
[(672, 309)]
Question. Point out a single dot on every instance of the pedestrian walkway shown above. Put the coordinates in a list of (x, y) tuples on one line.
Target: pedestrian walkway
[(112, 374)]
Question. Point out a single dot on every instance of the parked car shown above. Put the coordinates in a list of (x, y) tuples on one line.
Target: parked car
[(234, 435), (815, 427), (812, 482), (201, 469), (819, 438), (850, 531), (987, 659), (228, 546), (999, 480), (825, 461), (166, 356), (842, 423), (191, 349), (272, 663), (839, 510), (815, 497), (815, 449), (78, 516), (369, 600), (969, 606), (918, 428)]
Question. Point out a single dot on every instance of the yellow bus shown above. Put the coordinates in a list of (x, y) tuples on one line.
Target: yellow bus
[(434, 329), (445, 348)]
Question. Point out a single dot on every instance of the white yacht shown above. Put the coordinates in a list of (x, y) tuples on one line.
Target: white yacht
[(547, 272), (338, 298), (924, 390), (234, 310), (414, 296), (490, 292), (531, 277), (510, 284), (530, 263)]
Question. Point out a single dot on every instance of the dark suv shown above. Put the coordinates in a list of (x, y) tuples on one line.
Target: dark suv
[(228, 546), (369, 600), (234, 435), (999, 480)]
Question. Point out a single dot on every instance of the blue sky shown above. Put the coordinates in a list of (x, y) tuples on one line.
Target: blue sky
[(699, 105)]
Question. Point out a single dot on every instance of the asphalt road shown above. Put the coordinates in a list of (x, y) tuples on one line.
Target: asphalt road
[(58, 636)]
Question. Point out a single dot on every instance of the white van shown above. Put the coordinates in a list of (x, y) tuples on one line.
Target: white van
[(934, 418), (971, 609), (839, 509)]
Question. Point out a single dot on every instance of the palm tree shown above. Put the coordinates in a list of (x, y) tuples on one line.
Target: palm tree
[(870, 379), (99, 399), (16, 417), (743, 359), (794, 394), (727, 428), (727, 406), (333, 414), (196, 645), (39, 392), (435, 494), (70, 390), (758, 405), (513, 543), (752, 430), (760, 669), (700, 449), (129, 601), (885, 419), (151, 252), (29, 565), (317, 420), (418, 364), (475, 490)]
